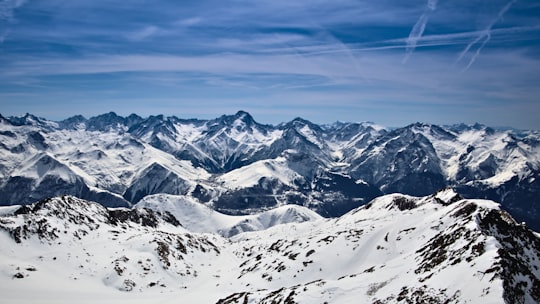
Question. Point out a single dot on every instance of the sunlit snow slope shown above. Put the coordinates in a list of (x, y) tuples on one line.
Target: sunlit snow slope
[(396, 249)]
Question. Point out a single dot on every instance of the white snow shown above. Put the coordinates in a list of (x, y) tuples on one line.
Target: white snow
[(510, 162), (109, 161), (308, 133), (193, 215), (8, 210), (366, 255), (250, 175), (197, 217)]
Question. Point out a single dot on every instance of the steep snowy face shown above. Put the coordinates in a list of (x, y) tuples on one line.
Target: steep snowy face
[(396, 249), (293, 178), (306, 133), (111, 167), (349, 140), (401, 161), (239, 166), (218, 145), (42, 175), (482, 154), (499, 165), (28, 170)]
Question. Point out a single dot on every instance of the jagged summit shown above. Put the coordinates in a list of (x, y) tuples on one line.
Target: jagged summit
[(241, 122), (336, 168), (74, 122), (27, 119), (111, 121), (32, 120), (244, 116)]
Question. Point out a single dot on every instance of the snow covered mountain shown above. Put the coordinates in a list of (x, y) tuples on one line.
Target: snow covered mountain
[(439, 248), (237, 166), (40, 160), (198, 218)]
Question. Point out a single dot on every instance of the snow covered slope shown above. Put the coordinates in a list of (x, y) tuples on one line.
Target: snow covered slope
[(249, 175), (63, 246), (109, 166), (238, 166), (218, 145), (399, 249), (396, 249), (197, 217)]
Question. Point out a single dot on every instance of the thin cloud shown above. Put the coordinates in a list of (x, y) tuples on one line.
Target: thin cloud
[(144, 33), (512, 34), (484, 36), (7, 8), (347, 52), (418, 28), (189, 21)]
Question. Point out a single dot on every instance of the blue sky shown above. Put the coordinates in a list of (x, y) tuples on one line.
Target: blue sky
[(388, 61)]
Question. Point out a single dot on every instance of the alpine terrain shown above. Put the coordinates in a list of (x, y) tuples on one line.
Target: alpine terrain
[(397, 248), (237, 166)]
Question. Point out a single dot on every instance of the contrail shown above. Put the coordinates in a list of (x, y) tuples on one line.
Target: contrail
[(342, 48), (473, 59), (485, 34), (418, 28)]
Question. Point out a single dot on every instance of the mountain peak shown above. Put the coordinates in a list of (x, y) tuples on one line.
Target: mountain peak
[(419, 125), (300, 120), (447, 196), (73, 122), (3, 119), (245, 117), (241, 114), (299, 123), (111, 121), (417, 160), (31, 120), (107, 116)]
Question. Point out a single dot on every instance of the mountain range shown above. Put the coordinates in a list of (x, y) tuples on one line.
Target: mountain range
[(397, 248), (236, 166)]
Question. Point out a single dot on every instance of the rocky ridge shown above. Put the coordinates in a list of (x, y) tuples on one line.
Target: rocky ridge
[(439, 248)]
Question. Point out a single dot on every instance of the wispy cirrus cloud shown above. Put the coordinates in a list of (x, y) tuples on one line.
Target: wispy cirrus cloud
[(348, 53), (190, 21), (419, 28), (144, 33), (7, 8), (483, 37)]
